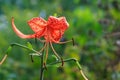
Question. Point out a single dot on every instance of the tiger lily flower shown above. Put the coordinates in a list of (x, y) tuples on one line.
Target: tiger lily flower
[(52, 31)]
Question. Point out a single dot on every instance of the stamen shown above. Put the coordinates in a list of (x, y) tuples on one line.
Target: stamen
[(43, 47), (44, 64), (56, 54), (41, 40), (62, 42), (4, 58), (46, 56), (54, 51), (62, 61)]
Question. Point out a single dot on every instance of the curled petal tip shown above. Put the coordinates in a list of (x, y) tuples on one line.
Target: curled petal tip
[(20, 34), (12, 17)]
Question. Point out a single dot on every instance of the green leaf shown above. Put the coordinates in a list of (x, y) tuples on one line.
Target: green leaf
[(9, 49), (55, 14), (55, 57), (29, 45)]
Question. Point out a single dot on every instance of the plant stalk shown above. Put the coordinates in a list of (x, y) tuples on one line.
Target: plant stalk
[(42, 67)]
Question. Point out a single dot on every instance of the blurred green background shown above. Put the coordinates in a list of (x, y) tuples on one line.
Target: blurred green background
[(90, 21)]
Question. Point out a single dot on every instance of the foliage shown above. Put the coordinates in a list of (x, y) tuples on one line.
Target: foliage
[(91, 23)]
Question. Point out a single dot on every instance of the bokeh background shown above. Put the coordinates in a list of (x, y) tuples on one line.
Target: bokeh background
[(92, 22)]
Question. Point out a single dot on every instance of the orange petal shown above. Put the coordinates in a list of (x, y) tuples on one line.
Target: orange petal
[(37, 24), (57, 27), (20, 34), (58, 23), (56, 35)]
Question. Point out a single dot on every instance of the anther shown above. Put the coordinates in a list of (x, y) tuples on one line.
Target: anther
[(62, 61), (73, 41), (44, 65)]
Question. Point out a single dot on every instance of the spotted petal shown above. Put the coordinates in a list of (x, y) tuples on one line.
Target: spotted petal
[(37, 24), (57, 27), (56, 35), (58, 23)]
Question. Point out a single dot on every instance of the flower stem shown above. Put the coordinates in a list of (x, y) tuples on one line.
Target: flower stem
[(42, 64), (83, 75), (41, 68)]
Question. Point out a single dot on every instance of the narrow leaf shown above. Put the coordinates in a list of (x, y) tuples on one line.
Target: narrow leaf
[(29, 45), (55, 57), (9, 49)]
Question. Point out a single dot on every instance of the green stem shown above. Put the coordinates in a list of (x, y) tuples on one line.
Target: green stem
[(67, 60), (71, 59), (41, 56), (41, 68)]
